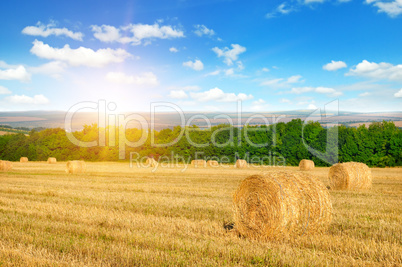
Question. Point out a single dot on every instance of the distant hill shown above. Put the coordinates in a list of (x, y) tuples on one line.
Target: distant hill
[(54, 119)]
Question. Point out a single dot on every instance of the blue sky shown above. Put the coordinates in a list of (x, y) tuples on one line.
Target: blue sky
[(202, 55)]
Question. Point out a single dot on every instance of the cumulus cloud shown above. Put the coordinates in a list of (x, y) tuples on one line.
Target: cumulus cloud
[(201, 30), (23, 99), (178, 94), (378, 71), (391, 8), (334, 65), (228, 54), (146, 78), (4, 90), (49, 29), (17, 73), (81, 56), (218, 95), (320, 90), (398, 94), (135, 34), (185, 88), (173, 50), (196, 65)]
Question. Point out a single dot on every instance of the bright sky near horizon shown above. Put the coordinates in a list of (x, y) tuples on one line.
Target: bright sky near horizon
[(202, 55)]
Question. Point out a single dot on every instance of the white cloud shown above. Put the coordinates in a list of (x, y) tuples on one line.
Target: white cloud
[(213, 73), (364, 94), (217, 94), (265, 69), (312, 106), (259, 105), (4, 90), (294, 79), (282, 9), (201, 30), (173, 50), (398, 94), (18, 73), (47, 30), (196, 65), (285, 100), (106, 33), (320, 90), (81, 56), (229, 55), (185, 88), (135, 33), (178, 94), (53, 69), (282, 83), (23, 99), (378, 71), (334, 65), (146, 78), (391, 8)]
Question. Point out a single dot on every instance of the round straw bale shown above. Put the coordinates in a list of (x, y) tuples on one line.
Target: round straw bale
[(151, 162), (76, 166), (279, 205), (241, 163), (198, 163), (306, 165), (350, 176), (23, 159), (212, 163), (51, 160), (5, 165)]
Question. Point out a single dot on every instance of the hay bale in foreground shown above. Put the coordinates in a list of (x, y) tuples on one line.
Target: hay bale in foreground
[(279, 205), (306, 165), (51, 160), (5, 165), (350, 176), (76, 166), (23, 159), (241, 163), (212, 163), (151, 162), (198, 163)]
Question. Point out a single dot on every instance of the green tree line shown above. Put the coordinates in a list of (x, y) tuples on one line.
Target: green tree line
[(378, 145)]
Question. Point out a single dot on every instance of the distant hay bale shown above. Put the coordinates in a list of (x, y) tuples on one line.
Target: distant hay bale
[(350, 176), (198, 163), (241, 163), (51, 160), (151, 162), (306, 165), (76, 166), (279, 205), (5, 165), (23, 159), (212, 163)]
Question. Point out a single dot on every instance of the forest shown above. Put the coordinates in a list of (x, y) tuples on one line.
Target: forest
[(379, 145)]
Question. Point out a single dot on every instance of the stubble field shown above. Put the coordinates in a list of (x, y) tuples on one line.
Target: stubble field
[(115, 215)]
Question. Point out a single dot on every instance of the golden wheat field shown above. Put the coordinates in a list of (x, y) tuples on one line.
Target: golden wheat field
[(114, 215)]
